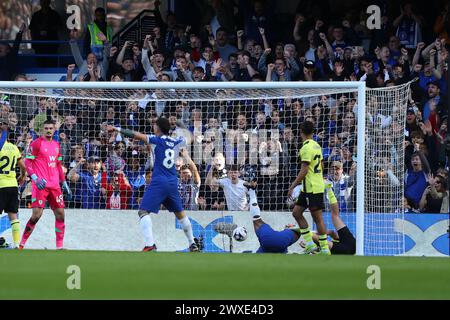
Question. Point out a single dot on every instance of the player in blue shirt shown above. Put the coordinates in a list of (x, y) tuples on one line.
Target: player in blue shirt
[(163, 188)]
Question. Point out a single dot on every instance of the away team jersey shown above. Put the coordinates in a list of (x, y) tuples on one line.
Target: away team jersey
[(165, 154), (9, 156), (46, 155), (312, 152)]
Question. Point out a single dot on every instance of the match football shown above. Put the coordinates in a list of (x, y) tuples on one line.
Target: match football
[(252, 150)]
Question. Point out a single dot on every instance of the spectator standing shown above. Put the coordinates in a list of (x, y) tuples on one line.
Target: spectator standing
[(97, 35), (409, 26), (8, 57), (88, 183), (44, 26), (189, 183), (233, 187), (416, 180), (117, 191)]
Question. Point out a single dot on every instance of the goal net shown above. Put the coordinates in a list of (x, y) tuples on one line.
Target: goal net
[(254, 126)]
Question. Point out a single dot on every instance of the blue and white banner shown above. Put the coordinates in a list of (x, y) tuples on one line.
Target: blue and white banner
[(385, 234)]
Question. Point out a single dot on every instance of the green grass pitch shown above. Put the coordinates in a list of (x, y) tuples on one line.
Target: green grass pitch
[(35, 274)]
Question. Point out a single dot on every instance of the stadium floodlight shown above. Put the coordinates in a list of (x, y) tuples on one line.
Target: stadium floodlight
[(375, 144)]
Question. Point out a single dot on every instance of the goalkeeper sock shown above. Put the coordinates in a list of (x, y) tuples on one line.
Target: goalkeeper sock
[(60, 228), (323, 242), (252, 196), (307, 236), (255, 211), (15, 228), (27, 233), (146, 227), (187, 228)]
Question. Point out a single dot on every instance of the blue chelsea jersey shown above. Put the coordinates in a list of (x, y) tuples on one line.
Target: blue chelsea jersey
[(166, 151)]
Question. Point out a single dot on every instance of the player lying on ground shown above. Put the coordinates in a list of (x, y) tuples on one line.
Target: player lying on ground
[(10, 158), (163, 188), (43, 164), (343, 240), (312, 192), (279, 241)]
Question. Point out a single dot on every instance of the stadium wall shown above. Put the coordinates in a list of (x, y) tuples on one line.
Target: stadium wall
[(425, 234)]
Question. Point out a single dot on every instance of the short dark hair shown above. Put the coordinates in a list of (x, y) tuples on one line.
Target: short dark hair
[(307, 127), (163, 124), (222, 29), (100, 10), (234, 167), (49, 121)]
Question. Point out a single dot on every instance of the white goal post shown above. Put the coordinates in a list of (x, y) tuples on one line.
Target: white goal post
[(210, 91)]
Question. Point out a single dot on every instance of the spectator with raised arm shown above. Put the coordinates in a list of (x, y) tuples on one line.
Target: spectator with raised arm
[(409, 26), (88, 183), (44, 26), (98, 35), (117, 191), (189, 182), (89, 66), (8, 57)]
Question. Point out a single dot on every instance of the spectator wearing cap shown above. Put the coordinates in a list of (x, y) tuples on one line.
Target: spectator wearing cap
[(189, 182), (343, 183), (310, 72), (117, 190), (126, 62), (88, 183)]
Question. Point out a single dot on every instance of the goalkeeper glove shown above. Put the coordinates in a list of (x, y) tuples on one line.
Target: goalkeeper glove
[(40, 183), (68, 191)]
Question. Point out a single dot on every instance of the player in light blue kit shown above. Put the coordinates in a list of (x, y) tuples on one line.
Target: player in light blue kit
[(163, 188)]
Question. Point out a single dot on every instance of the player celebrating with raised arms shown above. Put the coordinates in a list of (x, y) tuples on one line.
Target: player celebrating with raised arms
[(163, 188), (311, 195), (43, 164)]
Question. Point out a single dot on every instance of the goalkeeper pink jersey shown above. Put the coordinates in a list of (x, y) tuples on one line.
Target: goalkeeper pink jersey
[(43, 159)]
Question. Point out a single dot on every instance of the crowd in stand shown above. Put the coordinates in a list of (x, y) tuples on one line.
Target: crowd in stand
[(111, 171)]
